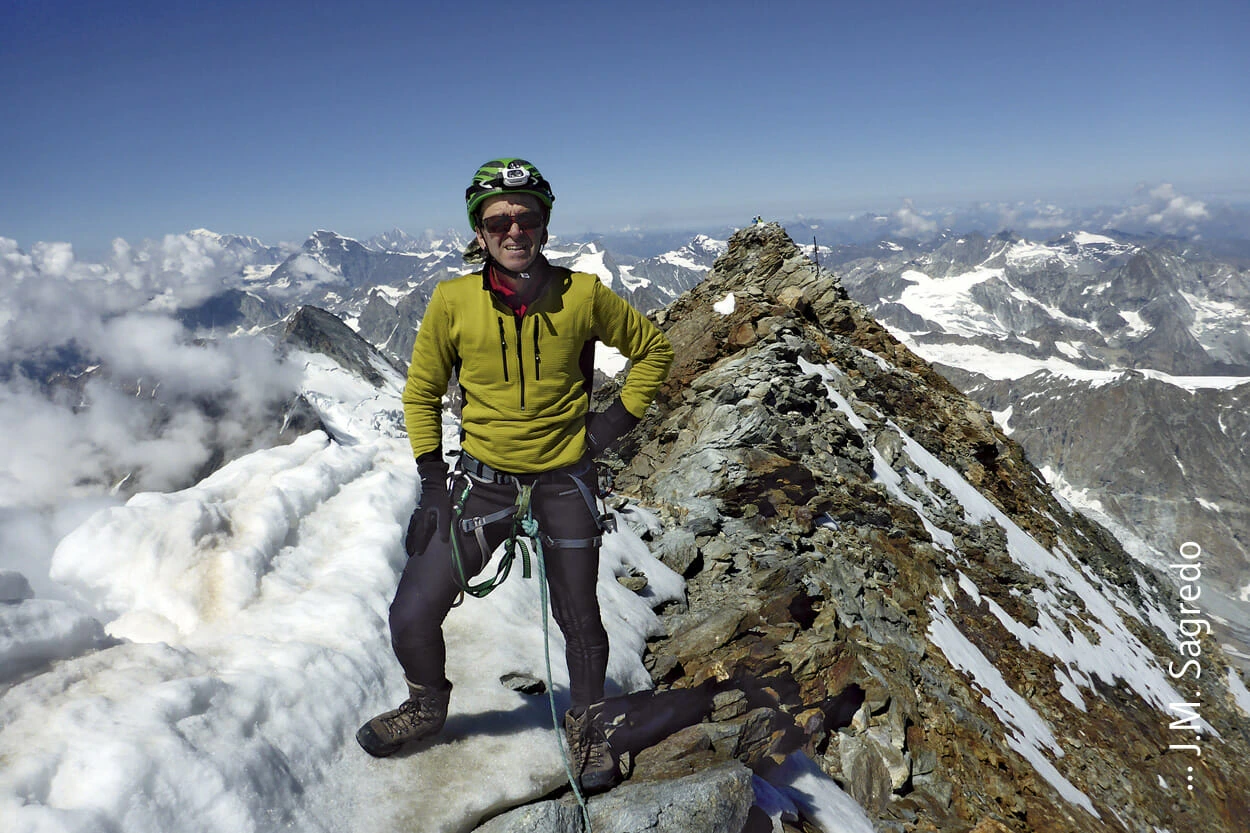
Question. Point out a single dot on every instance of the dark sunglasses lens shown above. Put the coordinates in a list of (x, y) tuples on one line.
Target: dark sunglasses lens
[(502, 223)]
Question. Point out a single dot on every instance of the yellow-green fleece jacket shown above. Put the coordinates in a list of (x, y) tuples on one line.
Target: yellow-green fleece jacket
[(525, 390)]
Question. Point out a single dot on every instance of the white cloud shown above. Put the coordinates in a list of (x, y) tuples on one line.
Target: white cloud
[(1177, 211), (54, 259), (146, 346), (1048, 217), (162, 403), (1163, 210), (153, 436), (911, 223)]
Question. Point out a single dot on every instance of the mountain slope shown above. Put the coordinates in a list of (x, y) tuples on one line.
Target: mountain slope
[(843, 513), (1119, 363)]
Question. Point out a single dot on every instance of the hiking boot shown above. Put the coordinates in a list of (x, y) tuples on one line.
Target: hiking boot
[(594, 762), (420, 716)]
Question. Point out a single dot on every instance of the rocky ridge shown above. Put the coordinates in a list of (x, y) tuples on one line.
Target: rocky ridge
[(1119, 363), (844, 516)]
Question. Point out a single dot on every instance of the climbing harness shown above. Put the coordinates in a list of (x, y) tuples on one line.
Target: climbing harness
[(524, 524), (518, 512), (471, 469)]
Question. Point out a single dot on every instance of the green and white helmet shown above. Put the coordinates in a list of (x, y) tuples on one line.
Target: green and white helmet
[(506, 176)]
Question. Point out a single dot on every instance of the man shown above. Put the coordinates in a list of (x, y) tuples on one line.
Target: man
[(520, 336)]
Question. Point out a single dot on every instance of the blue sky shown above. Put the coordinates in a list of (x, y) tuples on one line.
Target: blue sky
[(140, 119)]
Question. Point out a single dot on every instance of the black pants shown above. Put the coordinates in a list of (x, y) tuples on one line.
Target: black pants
[(427, 588)]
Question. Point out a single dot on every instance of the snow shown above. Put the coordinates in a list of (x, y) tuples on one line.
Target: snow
[(1218, 325), (1085, 238), (876, 359), (229, 638), (969, 586), (725, 305), (1029, 253), (1116, 654), (1211, 315), (392, 294), (1137, 325), (1028, 733), (1238, 688), (1110, 651), (709, 245), (818, 797), (947, 302), (631, 281), (592, 260), (34, 631), (1197, 383), (1003, 419), (1004, 365), (684, 259)]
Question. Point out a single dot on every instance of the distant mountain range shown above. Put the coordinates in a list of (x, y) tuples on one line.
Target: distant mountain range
[(381, 286), (1121, 362)]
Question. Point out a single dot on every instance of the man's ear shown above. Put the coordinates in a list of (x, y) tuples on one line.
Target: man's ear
[(481, 241), (544, 240)]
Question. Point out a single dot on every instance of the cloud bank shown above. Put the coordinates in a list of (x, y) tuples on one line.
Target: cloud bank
[(103, 389), (1164, 210), (1155, 209)]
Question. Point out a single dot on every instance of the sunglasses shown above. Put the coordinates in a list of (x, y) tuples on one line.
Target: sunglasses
[(502, 223)]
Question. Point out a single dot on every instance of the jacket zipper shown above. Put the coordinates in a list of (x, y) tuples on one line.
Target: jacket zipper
[(520, 363), (538, 355), (503, 349)]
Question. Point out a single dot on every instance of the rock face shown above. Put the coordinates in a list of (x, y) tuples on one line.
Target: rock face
[(1068, 340), (318, 331), (1184, 484), (719, 798), (844, 516), (229, 310)]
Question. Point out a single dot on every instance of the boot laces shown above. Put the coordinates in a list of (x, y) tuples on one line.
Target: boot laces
[(410, 714), (591, 744)]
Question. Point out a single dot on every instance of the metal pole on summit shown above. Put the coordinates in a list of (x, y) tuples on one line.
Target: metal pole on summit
[(816, 255)]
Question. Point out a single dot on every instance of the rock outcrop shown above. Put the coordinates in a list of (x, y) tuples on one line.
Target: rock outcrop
[(317, 331), (845, 517)]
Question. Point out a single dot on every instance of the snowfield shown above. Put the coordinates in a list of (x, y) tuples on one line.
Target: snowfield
[(238, 636)]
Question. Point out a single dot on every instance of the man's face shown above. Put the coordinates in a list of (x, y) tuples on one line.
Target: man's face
[(514, 247)]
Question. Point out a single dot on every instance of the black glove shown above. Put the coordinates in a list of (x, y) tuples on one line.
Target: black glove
[(604, 428), (433, 510)]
